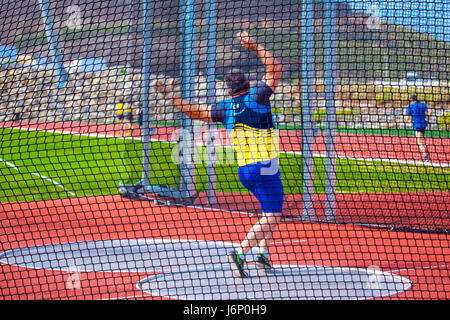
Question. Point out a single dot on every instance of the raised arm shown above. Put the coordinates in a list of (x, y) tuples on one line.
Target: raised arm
[(274, 68), (407, 115), (429, 114), (195, 112)]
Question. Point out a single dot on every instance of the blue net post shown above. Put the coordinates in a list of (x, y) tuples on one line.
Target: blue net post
[(211, 94), (307, 109), (53, 44), (147, 34), (330, 113), (187, 84), (146, 130)]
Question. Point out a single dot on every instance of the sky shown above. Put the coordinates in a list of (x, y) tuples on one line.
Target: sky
[(426, 16)]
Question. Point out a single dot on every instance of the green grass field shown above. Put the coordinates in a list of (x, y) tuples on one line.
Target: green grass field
[(41, 165)]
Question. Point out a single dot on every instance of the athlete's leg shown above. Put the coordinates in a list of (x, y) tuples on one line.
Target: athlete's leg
[(268, 189), (261, 233), (421, 143), (269, 192)]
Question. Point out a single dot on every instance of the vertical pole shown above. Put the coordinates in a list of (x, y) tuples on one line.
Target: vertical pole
[(147, 34), (330, 114), (187, 83), (307, 116), (211, 94), (134, 26), (53, 45)]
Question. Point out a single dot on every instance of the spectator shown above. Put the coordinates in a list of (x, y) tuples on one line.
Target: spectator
[(419, 114)]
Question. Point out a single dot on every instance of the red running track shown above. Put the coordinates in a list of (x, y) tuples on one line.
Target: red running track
[(424, 258), (421, 257), (347, 144)]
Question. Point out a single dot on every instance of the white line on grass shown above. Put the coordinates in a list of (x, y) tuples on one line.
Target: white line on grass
[(319, 155), (10, 164)]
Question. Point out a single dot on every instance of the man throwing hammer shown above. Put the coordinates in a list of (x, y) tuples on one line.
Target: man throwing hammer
[(247, 117)]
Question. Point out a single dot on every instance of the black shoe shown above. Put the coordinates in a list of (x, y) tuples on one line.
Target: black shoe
[(237, 264), (262, 262)]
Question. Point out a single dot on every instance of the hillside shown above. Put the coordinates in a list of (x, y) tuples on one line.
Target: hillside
[(111, 29)]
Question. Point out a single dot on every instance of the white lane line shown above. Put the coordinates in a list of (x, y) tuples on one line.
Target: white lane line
[(421, 268), (128, 297), (289, 241)]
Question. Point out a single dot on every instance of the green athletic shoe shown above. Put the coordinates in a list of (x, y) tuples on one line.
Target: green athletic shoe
[(262, 262), (237, 264)]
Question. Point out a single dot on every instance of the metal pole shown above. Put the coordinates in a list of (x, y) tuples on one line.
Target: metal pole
[(211, 99), (307, 116), (53, 45), (187, 83), (147, 34), (330, 114)]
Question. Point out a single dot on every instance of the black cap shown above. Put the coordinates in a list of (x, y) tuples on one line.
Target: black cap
[(413, 97), (236, 81)]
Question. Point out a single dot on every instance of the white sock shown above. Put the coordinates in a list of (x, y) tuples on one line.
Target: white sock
[(264, 252), (240, 254)]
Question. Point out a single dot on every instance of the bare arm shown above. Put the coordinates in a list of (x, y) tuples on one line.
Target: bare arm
[(407, 116), (195, 112), (274, 68)]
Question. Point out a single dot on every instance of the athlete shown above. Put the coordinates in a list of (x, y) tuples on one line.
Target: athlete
[(419, 113), (248, 119), (125, 116)]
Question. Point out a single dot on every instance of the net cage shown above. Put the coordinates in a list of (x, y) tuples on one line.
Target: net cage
[(216, 150)]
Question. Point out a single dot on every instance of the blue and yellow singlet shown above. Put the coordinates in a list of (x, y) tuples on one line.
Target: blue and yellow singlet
[(248, 119)]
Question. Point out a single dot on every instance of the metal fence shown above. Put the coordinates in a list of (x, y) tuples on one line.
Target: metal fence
[(94, 156)]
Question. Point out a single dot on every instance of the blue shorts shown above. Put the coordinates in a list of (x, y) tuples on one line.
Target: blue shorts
[(267, 188), (420, 129)]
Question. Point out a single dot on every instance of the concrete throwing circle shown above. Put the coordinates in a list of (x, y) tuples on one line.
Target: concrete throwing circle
[(134, 255), (195, 269), (283, 283)]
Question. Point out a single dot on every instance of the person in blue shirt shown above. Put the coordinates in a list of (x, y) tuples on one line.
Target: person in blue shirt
[(248, 119), (418, 113)]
